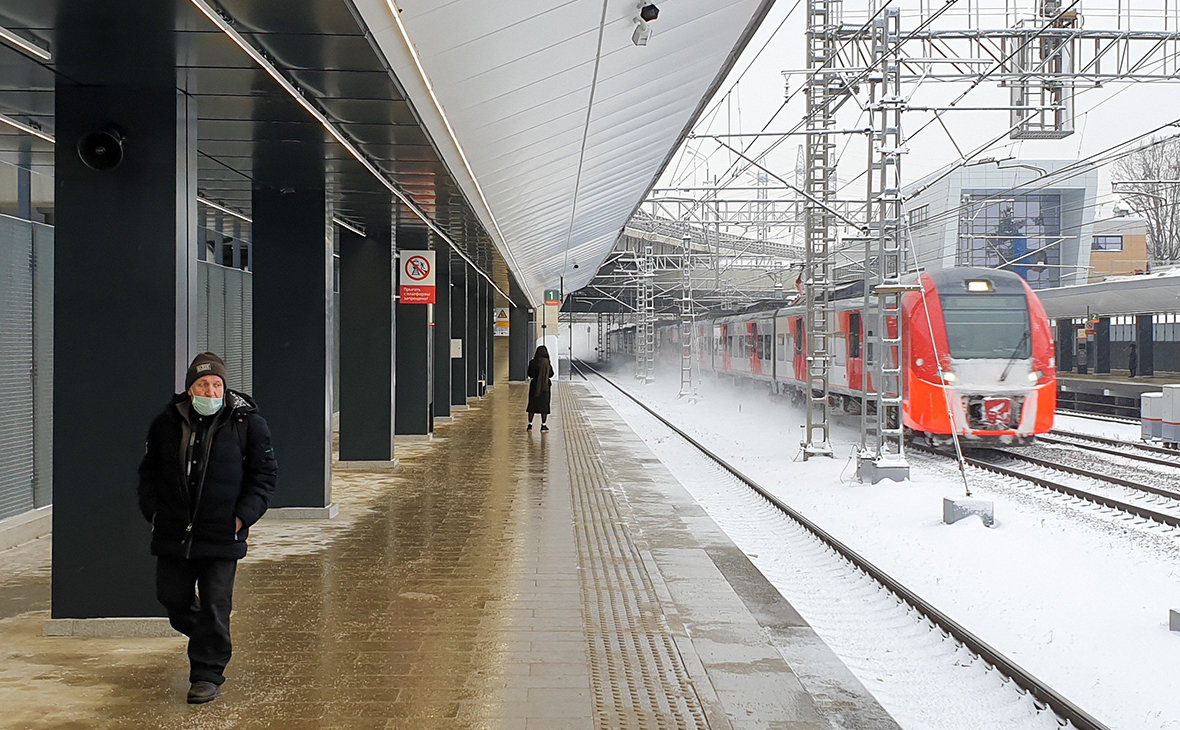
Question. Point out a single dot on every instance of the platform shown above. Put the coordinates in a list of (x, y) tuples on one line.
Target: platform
[(498, 579)]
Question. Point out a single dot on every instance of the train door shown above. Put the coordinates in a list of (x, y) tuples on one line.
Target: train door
[(856, 367), (800, 354), (755, 349), (726, 348), (838, 374)]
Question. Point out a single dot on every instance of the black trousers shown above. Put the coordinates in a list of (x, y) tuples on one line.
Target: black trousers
[(198, 594)]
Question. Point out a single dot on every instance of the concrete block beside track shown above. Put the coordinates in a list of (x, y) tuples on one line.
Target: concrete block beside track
[(954, 510)]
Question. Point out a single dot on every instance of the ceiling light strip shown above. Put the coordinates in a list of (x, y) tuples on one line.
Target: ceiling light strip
[(26, 128), (320, 117), (223, 209), (348, 226), (23, 45), (413, 50)]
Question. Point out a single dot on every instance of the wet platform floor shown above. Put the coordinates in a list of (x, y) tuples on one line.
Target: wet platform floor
[(497, 579)]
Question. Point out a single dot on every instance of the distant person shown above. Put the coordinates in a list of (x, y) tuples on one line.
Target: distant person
[(540, 386), (1133, 360), (207, 475)]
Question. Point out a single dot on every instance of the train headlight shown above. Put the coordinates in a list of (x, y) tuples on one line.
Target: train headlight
[(1035, 376), (948, 377)]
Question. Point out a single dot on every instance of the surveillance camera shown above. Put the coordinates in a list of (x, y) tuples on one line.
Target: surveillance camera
[(649, 12), (642, 33), (101, 150)]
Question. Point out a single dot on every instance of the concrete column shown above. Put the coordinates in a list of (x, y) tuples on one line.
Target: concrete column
[(518, 343), (291, 256), (442, 333), (124, 296), (366, 344), (1066, 343), (459, 332), (1145, 339), (1102, 343), (414, 403)]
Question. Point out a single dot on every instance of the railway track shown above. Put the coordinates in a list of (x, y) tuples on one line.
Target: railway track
[(994, 464), (1097, 416), (1045, 696), (1138, 450)]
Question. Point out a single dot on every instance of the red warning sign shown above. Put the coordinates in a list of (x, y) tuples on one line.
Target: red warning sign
[(417, 281)]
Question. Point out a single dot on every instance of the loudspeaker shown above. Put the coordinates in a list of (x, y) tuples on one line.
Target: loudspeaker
[(101, 150)]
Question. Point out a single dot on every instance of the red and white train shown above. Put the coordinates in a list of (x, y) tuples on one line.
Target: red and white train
[(977, 354)]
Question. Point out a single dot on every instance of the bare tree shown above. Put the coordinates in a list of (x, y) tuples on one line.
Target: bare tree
[(1149, 182)]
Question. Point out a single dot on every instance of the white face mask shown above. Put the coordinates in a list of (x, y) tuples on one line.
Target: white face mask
[(206, 406)]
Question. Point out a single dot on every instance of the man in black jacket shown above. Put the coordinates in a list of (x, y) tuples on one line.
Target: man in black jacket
[(207, 475)]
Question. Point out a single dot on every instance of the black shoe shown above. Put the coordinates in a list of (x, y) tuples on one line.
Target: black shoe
[(530, 428), (544, 428), (202, 692)]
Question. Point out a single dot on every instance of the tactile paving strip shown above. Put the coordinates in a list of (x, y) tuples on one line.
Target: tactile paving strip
[(637, 675)]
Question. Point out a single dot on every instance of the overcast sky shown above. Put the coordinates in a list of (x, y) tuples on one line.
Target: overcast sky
[(755, 90)]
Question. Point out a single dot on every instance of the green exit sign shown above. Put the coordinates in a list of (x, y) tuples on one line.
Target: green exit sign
[(552, 296)]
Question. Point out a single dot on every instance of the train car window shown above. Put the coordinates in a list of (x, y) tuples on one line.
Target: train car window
[(782, 348), (854, 335), (729, 344), (798, 335), (758, 346), (767, 349), (995, 326)]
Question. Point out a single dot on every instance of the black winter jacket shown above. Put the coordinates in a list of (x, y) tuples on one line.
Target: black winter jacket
[(239, 478)]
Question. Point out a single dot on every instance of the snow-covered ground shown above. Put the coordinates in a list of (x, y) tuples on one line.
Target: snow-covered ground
[(1078, 597)]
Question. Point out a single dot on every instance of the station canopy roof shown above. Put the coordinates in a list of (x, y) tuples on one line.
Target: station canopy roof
[(527, 132), (1119, 296)]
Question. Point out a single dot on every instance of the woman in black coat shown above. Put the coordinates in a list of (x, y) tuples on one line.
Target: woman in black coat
[(540, 386)]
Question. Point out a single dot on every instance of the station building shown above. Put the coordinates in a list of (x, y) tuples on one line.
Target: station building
[(1034, 214)]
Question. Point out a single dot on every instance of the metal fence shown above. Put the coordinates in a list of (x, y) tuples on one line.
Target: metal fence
[(225, 320), (26, 365), (224, 325)]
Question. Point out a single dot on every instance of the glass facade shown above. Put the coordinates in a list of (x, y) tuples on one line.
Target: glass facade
[(1022, 234)]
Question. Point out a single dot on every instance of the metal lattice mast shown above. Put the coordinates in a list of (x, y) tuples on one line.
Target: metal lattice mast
[(649, 315), (600, 351), (640, 320), (885, 456), (687, 317), (820, 232)]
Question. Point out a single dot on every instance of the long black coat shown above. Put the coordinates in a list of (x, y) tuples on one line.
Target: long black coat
[(239, 478), (540, 385)]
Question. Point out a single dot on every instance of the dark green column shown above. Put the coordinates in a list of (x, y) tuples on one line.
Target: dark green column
[(442, 333), (459, 332), (518, 343), (472, 352), (366, 344), (1102, 343), (123, 299), (291, 257), (414, 401), (1145, 337)]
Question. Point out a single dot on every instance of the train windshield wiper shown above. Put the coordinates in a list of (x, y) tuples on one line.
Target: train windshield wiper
[(1015, 354)]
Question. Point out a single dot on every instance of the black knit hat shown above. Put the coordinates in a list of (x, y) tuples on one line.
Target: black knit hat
[(206, 364)]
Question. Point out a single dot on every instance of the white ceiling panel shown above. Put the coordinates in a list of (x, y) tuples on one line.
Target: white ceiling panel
[(554, 141)]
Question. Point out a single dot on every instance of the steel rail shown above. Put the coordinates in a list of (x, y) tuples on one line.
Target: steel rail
[(1134, 509), (1111, 446), (1097, 416), (1039, 690)]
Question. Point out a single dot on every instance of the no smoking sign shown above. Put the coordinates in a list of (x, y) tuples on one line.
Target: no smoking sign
[(417, 284)]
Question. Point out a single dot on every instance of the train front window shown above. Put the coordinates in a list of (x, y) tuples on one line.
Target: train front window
[(987, 325)]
